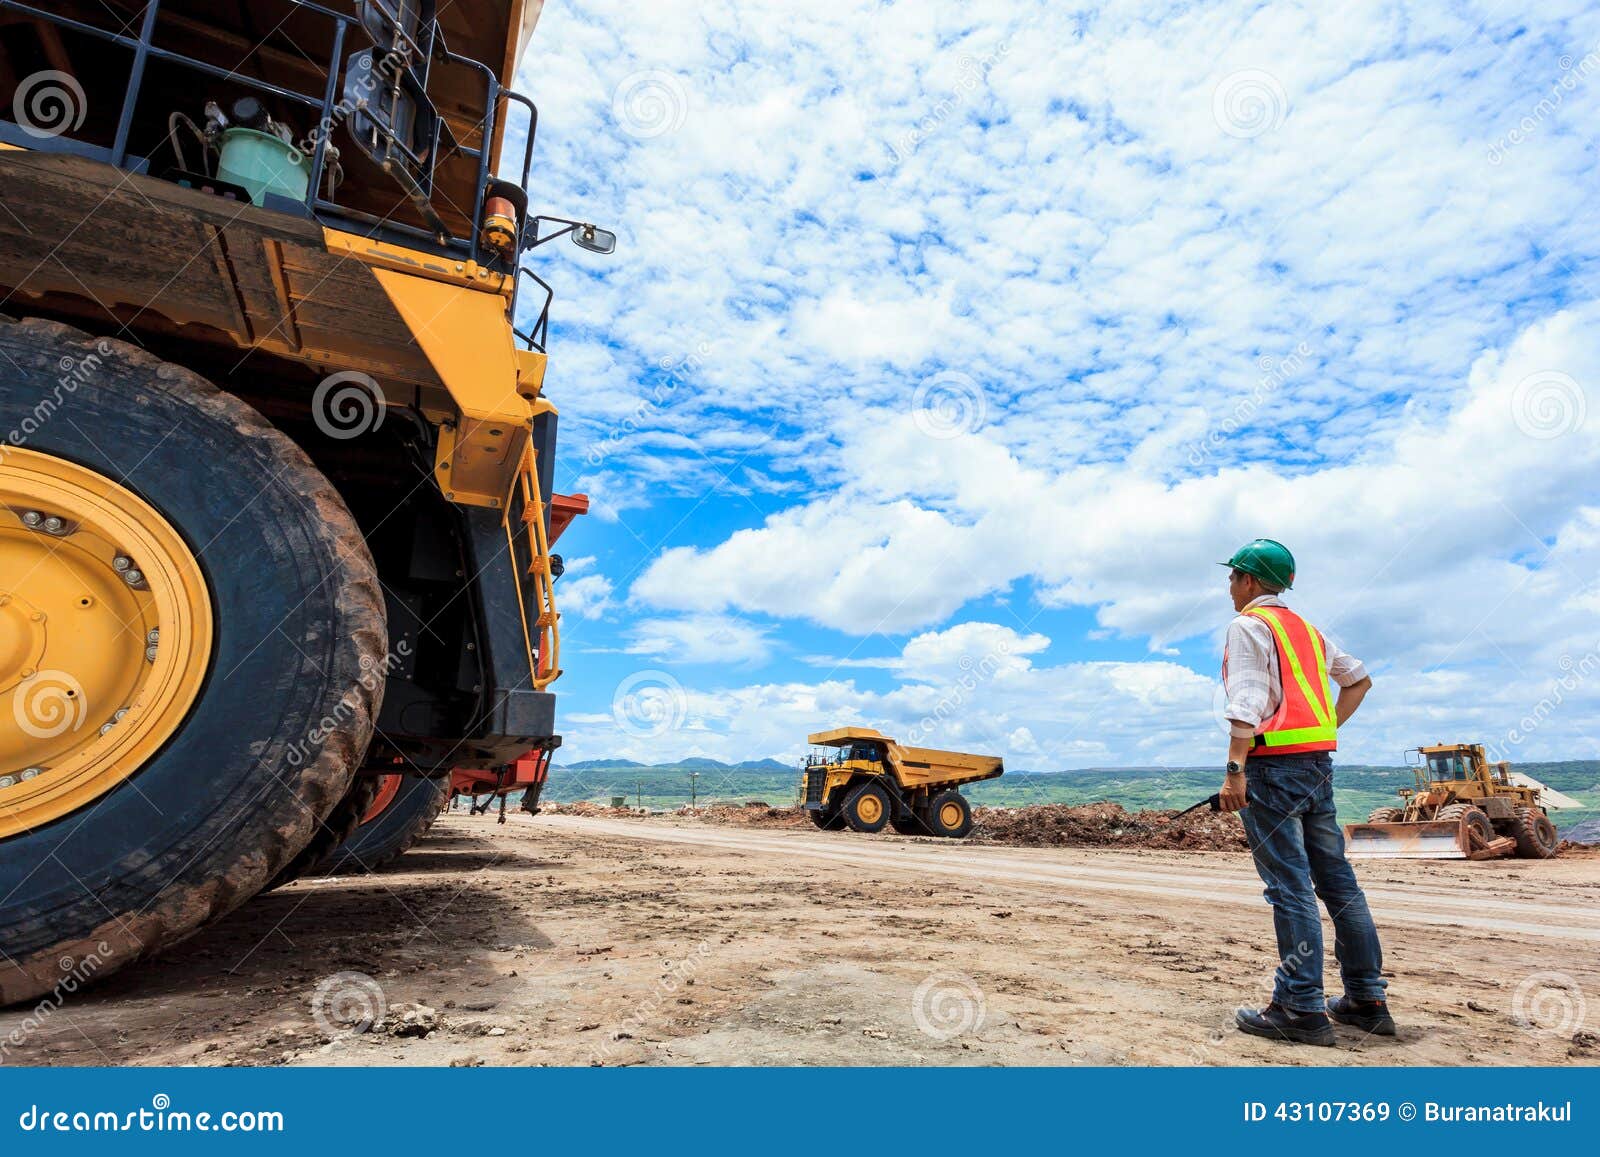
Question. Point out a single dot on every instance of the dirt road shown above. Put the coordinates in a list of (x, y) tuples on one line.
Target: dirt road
[(566, 940)]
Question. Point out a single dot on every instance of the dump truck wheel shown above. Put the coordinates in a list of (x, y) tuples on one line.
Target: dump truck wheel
[(342, 823), (1385, 815), (949, 814), (827, 818), (219, 661), (1536, 835), (867, 808), (385, 836)]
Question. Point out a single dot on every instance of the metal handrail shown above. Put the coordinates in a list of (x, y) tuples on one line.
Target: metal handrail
[(327, 107), (536, 337), (544, 658)]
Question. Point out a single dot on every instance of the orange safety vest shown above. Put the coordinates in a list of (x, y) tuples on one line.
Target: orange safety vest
[(1305, 719)]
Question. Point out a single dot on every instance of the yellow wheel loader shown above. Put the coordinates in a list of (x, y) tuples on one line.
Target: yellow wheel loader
[(276, 457), (1462, 807), (870, 782)]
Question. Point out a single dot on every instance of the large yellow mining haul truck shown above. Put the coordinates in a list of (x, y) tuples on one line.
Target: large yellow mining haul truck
[(1462, 807), (870, 782), (276, 460)]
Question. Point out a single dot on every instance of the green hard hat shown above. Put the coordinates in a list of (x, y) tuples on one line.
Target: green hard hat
[(1268, 560)]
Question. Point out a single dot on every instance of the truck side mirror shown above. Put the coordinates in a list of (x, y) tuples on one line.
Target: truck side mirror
[(595, 239)]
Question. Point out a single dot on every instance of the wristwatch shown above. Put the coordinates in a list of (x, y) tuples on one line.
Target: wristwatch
[(1235, 767)]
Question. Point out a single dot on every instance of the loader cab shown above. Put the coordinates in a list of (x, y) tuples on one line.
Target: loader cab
[(1449, 765)]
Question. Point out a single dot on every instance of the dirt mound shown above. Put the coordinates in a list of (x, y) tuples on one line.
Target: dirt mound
[(755, 814), (583, 807), (1107, 825)]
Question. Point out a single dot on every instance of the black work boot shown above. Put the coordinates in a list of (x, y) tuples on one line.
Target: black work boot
[(1279, 1023), (1367, 1015)]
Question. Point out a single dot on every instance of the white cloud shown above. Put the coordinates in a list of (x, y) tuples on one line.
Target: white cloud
[(700, 639), (1440, 524), (587, 596), (1094, 712), (1123, 276)]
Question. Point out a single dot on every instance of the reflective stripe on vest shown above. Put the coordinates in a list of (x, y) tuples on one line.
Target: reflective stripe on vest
[(1305, 719)]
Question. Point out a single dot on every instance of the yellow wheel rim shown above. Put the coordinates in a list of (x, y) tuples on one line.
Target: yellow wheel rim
[(105, 636), (950, 816), (869, 809)]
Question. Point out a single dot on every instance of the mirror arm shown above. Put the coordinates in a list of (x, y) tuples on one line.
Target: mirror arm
[(535, 241)]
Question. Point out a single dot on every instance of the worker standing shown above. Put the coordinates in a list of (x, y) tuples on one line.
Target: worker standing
[(1283, 724)]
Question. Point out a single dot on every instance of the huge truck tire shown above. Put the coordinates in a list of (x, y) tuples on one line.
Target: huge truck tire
[(388, 835), (867, 808), (949, 814), (1536, 835), (343, 822), (191, 655), (830, 816)]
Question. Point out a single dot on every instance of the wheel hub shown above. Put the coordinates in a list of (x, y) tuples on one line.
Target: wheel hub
[(21, 640), (105, 636)]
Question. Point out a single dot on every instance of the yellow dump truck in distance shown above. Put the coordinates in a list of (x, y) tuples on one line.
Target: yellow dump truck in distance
[(873, 781)]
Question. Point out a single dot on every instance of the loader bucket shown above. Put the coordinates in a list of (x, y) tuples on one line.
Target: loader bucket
[(1425, 840)]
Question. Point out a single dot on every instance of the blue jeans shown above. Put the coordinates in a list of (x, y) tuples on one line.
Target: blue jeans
[(1299, 853)]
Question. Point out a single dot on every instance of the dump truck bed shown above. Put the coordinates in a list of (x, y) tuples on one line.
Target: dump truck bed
[(917, 766)]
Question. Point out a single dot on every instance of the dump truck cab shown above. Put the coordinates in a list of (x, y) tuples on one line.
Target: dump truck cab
[(864, 780)]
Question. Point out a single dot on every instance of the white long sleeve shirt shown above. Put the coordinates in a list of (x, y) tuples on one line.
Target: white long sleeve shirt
[(1250, 676)]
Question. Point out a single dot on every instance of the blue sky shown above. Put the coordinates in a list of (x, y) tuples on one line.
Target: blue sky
[(947, 346)]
